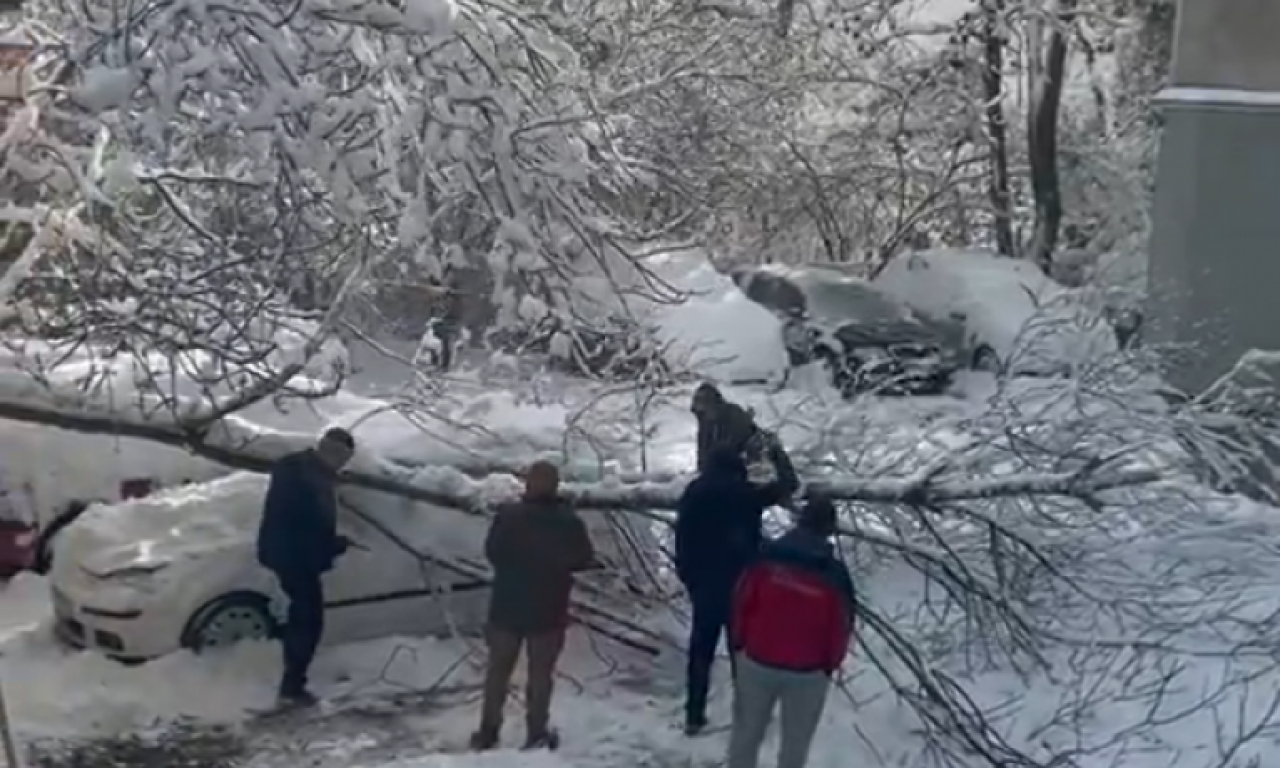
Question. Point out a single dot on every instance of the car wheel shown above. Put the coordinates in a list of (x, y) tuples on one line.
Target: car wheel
[(986, 360), (230, 620)]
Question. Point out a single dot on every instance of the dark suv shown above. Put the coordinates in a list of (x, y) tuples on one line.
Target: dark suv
[(869, 341)]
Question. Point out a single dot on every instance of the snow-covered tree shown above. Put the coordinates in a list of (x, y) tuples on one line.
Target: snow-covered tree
[(213, 192), (300, 166)]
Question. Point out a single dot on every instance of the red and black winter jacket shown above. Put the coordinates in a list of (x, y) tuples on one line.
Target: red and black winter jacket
[(794, 606)]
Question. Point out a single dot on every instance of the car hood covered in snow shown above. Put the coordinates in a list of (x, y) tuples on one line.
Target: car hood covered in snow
[(173, 525)]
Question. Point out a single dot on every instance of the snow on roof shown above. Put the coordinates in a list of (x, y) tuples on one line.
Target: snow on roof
[(201, 517)]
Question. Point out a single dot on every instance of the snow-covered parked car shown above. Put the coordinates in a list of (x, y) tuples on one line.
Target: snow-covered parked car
[(1017, 320), (138, 579), (867, 339), (142, 578)]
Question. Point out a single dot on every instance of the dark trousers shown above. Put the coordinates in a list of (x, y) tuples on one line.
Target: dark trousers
[(543, 651), (303, 628), (447, 335), (712, 605)]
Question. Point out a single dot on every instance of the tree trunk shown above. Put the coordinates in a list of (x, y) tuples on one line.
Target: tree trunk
[(786, 12), (993, 41), (1042, 138)]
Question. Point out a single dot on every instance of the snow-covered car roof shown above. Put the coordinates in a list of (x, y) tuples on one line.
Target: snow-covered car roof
[(976, 270), (830, 292), (166, 527)]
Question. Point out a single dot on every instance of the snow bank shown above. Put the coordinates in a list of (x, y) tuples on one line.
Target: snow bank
[(717, 333), (54, 693), (701, 322), (25, 605)]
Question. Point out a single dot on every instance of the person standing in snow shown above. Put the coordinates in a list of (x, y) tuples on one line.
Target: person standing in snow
[(448, 325), (722, 424), (792, 622), (535, 546), (717, 534), (298, 541)]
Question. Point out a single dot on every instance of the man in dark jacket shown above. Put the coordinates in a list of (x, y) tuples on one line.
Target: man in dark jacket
[(535, 546), (718, 533), (298, 541), (722, 424), (792, 621)]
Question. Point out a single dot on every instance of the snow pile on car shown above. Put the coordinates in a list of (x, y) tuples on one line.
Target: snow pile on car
[(716, 331), (1009, 304), (152, 532)]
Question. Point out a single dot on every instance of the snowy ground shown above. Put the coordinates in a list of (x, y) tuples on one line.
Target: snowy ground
[(413, 702), (397, 697)]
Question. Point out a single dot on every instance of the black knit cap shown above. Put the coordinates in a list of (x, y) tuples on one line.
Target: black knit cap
[(340, 436)]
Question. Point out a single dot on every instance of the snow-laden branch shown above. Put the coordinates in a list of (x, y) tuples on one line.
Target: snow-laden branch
[(235, 442)]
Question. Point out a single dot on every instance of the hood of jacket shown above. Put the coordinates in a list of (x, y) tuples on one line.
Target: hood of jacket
[(803, 543)]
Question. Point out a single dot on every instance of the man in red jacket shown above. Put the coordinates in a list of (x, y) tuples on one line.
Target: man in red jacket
[(790, 630)]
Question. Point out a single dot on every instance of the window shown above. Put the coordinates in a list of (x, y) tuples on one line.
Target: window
[(776, 293)]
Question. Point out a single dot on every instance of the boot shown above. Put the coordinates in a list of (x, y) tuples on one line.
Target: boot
[(695, 725), (485, 739), (548, 739)]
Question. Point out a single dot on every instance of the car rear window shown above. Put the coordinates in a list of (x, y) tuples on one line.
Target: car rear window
[(840, 299)]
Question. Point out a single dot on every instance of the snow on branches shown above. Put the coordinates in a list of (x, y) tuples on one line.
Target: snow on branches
[(240, 175)]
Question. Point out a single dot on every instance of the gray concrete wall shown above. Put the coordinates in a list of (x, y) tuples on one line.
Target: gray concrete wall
[(1215, 252), (1215, 263), (1228, 44)]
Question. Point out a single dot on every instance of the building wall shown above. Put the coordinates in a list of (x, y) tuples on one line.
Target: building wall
[(1228, 44), (1215, 261)]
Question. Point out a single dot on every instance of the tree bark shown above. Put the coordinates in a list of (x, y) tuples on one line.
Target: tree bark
[(1042, 138), (998, 189)]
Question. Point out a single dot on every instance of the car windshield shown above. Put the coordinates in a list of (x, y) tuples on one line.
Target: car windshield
[(838, 300)]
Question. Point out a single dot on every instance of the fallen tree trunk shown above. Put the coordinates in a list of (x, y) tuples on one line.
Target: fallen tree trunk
[(237, 444)]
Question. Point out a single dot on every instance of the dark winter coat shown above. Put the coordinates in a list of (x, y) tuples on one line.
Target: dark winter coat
[(535, 548), (298, 535), (731, 427), (718, 523)]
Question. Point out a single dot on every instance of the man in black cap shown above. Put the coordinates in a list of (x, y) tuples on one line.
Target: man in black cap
[(298, 541), (729, 426), (717, 535)]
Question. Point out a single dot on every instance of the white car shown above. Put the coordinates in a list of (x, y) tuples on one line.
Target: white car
[(1017, 319), (143, 578)]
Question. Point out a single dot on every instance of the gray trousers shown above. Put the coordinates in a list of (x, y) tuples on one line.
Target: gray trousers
[(757, 691)]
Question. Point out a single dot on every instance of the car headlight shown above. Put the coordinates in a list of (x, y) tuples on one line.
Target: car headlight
[(142, 578)]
